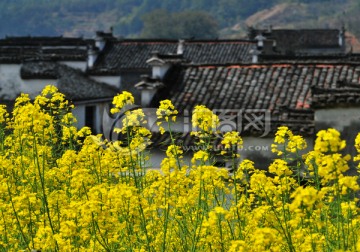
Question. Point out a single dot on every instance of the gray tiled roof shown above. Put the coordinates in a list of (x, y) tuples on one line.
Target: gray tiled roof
[(266, 86), (19, 49), (218, 52), (43, 41), (301, 41), (345, 93), (72, 82), (284, 90), (132, 54)]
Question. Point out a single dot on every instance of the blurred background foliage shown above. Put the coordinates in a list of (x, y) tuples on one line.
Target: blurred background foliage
[(171, 18)]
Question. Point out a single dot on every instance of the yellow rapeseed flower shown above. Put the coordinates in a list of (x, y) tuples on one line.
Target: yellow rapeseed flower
[(280, 168), (329, 141), (357, 146), (99, 196), (121, 100), (204, 120), (232, 139), (246, 167), (3, 114), (83, 132), (166, 110), (347, 183), (285, 140), (304, 197), (134, 118), (232, 142), (174, 151), (200, 155)]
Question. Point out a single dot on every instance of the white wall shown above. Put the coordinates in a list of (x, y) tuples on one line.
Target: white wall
[(339, 118), (114, 81), (256, 145), (10, 81), (160, 71), (100, 108), (79, 113), (75, 64), (34, 87), (12, 84)]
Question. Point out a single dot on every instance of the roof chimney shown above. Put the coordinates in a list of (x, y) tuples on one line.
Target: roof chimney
[(148, 88), (342, 37), (180, 47), (260, 41), (159, 66), (101, 38), (92, 55), (255, 55)]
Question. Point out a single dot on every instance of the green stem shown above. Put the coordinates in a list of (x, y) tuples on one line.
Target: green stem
[(166, 216), (31, 232), (42, 182), (221, 235), (284, 229), (237, 211), (139, 187), (198, 219), (95, 224), (173, 143)]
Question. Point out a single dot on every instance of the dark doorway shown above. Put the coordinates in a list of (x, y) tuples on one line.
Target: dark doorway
[(90, 117)]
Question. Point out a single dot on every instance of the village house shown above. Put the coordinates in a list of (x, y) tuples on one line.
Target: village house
[(28, 64), (91, 71), (256, 85), (123, 61), (257, 99)]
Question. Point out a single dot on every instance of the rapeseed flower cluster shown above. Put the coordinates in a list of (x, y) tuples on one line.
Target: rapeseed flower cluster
[(165, 111), (63, 189), (204, 123), (232, 142), (286, 142), (121, 100)]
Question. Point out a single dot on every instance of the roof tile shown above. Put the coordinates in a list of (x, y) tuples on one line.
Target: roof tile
[(131, 54), (72, 82), (270, 87)]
